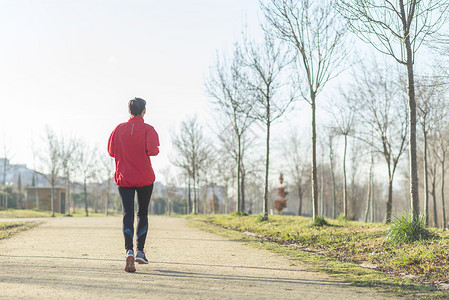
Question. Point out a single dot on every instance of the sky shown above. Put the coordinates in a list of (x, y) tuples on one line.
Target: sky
[(74, 65)]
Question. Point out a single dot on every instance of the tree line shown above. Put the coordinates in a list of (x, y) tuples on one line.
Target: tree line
[(63, 161), (389, 109), (66, 157)]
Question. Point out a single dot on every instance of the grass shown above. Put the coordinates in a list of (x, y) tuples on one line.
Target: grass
[(31, 213), (319, 222), (7, 229), (239, 213), (406, 230), (261, 218), (343, 247)]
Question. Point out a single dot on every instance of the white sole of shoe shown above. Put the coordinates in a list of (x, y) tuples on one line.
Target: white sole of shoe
[(141, 261)]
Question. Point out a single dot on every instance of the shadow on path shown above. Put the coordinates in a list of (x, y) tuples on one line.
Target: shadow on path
[(254, 279), (155, 262)]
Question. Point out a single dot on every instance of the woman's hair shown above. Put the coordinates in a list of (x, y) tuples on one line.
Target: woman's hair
[(136, 106)]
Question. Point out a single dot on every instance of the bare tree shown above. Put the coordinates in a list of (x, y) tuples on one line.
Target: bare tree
[(107, 168), (358, 155), (207, 173), (381, 112), (267, 78), (344, 126), (68, 163), (323, 178), (440, 150), (294, 153), (224, 174), (331, 145), (35, 179), (168, 178), (430, 106), (316, 34), (369, 196), (87, 164), (228, 149), (192, 149), (226, 85), (52, 161), (398, 29), (432, 169)]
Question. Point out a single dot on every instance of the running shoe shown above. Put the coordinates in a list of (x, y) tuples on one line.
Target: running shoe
[(140, 257), (130, 267)]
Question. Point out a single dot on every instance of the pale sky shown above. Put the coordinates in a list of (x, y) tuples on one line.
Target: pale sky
[(73, 65)]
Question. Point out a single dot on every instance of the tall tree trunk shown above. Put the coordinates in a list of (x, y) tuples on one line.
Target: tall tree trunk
[(412, 131), (4, 184), (239, 171), (265, 196), (434, 198), (372, 202), (206, 204), (442, 190), (368, 198), (426, 180), (299, 199), (197, 193), (189, 198), (322, 187), (334, 197), (390, 200), (242, 187), (345, 193), (314, 170), (195, 203)]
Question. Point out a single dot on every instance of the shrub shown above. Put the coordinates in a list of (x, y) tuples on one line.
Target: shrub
[(319, 222), (342, 218), (239, 213), (262, 218), (406, 230)]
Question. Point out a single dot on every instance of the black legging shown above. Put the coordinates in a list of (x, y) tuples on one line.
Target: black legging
[(143, 200)]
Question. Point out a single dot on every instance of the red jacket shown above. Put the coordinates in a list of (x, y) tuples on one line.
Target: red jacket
[(131, 144)]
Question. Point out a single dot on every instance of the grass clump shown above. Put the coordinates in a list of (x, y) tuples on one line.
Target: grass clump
[(261, 218), (239, 214), (341, 218), (319, 222), (407, 230)]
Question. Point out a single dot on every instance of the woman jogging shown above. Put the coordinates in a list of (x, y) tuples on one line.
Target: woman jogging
[(131, 144)]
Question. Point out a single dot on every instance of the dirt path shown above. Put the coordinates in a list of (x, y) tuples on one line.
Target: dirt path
[(84, 258)]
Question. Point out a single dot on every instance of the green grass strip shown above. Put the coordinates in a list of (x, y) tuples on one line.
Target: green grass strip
[(350, 272), (8, 229)]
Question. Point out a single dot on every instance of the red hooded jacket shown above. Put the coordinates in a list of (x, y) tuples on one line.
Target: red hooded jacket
[(131, 144)]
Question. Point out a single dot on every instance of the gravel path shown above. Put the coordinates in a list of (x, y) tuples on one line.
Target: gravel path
[(83, 258)]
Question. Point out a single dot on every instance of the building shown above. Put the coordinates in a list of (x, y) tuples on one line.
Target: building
[(40, 198), (10, 173)]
